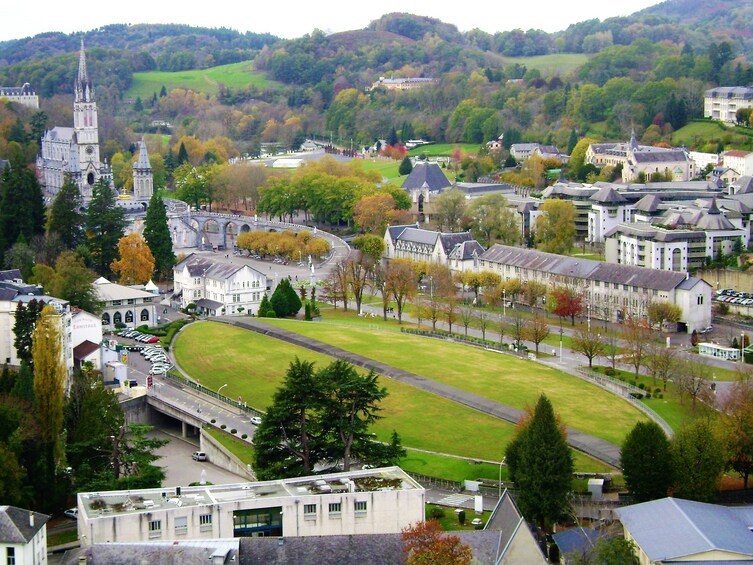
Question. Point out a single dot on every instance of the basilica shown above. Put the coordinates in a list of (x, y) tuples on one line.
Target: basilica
[(75, 151)]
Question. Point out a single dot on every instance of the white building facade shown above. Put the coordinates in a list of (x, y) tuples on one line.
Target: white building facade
[(23, 95), (23, 536), (358, 502), (722, 103), (125, 306)]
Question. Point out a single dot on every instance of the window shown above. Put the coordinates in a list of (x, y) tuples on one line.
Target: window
[(145, 315), (335, 507), (129, 317), (11, 553), (147, 300), (106, 319), (130, 301), (205, 522), (360, 506), (117, 302), (309, 509), (155, 529), (117, 318), (700, 299), (181, 525)]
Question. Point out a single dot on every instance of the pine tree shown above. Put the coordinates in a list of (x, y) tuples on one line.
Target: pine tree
[(265, 308), (646, 462), (406, 166), (23, 329), (182, 154), (138, 106), (572, 141), (105, 225), (163, 91), (392, 137), (541, 465), (22, 211), (65, 218), (157, 236)]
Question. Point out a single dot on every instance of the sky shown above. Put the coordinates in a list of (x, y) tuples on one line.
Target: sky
[(294, 18)]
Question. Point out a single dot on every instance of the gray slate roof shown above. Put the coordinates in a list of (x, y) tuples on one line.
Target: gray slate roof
[(608, 195), (672, 528), (143, 160), (15, 525), (467, 250), (395, 231), (199, 266), (583, 268), (428, 174), (743, 185), (185, 552), (667, 156), (10, 275), (649, 203)]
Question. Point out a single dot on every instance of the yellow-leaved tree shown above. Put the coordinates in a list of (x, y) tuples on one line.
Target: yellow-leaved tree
[(49, 376), (136, 263)]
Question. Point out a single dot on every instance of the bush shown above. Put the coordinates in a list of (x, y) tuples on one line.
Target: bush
[(461, 517), (233, 431), (244, 436), (637, 395), (213, 421), (610, 373), (436, 513), (657, 390), (641, 386), (554, 553), (223, 426)]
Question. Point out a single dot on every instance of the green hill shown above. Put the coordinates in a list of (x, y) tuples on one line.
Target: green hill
[(234, 76), (552, 64)]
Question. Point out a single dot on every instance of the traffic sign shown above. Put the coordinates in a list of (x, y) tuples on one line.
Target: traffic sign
[(150, 381)]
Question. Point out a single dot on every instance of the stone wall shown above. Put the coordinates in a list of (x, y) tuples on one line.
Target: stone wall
[(220, 456), (741, 281)]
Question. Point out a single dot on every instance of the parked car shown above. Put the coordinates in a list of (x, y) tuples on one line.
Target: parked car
[(153, 339), (72, 513), (255, 420), (199, 456)]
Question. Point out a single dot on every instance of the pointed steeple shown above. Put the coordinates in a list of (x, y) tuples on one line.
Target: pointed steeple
[(633, 141), (83, 88), (713, 208), (143, 161)]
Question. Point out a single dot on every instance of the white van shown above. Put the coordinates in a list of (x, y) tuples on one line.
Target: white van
[(199, 456)]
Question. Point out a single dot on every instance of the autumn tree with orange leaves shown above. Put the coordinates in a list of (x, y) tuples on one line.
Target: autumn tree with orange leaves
[(426, 543), (136, 263)]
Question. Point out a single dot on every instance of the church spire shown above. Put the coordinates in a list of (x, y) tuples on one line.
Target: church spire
[(83, 88), (143, 159)]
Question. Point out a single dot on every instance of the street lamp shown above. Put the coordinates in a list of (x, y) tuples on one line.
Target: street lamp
[(219, 389), (742, 347), (588, 307), (499, 484), (504, 302), (561, 353)]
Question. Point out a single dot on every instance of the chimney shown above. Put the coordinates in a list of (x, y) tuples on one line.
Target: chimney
[(31, 519)]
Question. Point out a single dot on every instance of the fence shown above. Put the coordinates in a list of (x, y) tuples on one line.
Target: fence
[(436, 482), (171, 375), (467, 340)]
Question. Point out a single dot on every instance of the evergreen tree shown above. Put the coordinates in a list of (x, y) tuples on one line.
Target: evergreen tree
[(23, 388), (157, 236), (138, 106), (170, 162), (163, 91), (285, 300), (182, 154), (646, 462), (23, 329), (65, 218), (153, 101), (392, 137), (698, 457), (541, 465), (72, 281), (406, 166), (572, 141), (265, 308), (105, 225), (22, 212)]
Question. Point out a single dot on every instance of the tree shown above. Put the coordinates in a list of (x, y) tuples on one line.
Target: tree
[(372, 246), (72, 281), (663, 312), (23, 329), (636, 336), (133, 457), (425, 543), (534, 291), (400, 281), (22, 257), (22, 210), (285, 301), (49, 377), (693, 380), (565, 302), (661, 362), (105, 225), (358, 270), (448, 209), (541, 465), (737, 428), (350, 405), (518, 330), (66, 219), (491, 220), (646, 461), (450, 309), (136, 263), (537, 330), (373, 212), (698, 457), (265, 308), (555, 227), (589, 343), (157, 236), (406, 166)]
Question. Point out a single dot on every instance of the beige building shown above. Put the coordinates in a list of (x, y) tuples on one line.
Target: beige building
[(23, 95), (722, 103), (369, 501), (401, 83)]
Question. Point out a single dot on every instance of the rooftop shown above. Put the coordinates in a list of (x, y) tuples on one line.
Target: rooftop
[(107, 291), (112, 503)]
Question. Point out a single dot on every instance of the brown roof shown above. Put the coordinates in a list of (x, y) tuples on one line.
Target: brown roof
[(84, 349), (736, 153)]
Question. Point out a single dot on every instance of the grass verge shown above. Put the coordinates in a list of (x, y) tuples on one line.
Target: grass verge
[(68, 536), (238, 447), (448, 518)]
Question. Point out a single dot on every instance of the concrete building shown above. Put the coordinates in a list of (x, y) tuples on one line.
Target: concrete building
[(401, 83), (740, 161), (370, 501), (86, 338), (23, 95), (672, 530), (23, 536), (722, 103), (125, 306), (614, 292), (218, 288)]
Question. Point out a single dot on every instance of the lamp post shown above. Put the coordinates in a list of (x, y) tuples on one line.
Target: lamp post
[(499, 484), (742, 347), (219, 389), (561, 352), (504, 302), (588, 308)]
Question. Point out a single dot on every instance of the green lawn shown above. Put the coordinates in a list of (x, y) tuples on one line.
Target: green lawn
[(234, 75), (388, 168), (424, 421), (242, 449), (505, 379), (449, 521), (68, 536), (555, 63), (697, 133), (444, 149)]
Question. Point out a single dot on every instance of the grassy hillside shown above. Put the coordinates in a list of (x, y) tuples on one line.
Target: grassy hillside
[(444, 149), (235, 75), (553, 64), (698, 133)]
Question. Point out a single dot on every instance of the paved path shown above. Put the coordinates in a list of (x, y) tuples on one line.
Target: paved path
[(593, 446)]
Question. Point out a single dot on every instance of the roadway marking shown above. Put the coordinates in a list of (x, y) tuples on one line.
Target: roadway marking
[(455, 500)]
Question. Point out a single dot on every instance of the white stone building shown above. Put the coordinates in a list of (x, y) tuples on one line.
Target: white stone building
[(23, 536), (416, 244), (357, 502), (143, 181), (75, 151), (125, 305), (86, 338), (722, 103), (23, 95), (218, 288), (740, 161), (615, 292)]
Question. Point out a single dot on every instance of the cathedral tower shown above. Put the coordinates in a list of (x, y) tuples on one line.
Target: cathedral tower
[(85, 123), (143, 182)]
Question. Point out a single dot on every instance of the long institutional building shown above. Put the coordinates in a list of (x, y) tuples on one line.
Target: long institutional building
[(372, 501)]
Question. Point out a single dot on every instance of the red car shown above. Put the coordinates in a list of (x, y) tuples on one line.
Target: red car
[(153, 339)]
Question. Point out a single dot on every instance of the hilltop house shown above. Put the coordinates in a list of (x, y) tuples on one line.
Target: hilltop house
[(722, 103)]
